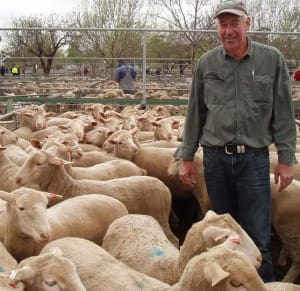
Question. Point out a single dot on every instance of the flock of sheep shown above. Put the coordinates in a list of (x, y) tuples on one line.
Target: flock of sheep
[(86, 204)]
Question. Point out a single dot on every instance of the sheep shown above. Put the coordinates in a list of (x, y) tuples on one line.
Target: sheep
[(285, 220), (30, 224), (34, 117), (7, 137), (92, 158), (164, 129), (121, 142), (67, 148), (105, 171), (50, 271), (221, 266), (98, 270), (281, 286), (7, 263), (140, 194), (139, 241), (8, 171), (16, 154), (97, 136)]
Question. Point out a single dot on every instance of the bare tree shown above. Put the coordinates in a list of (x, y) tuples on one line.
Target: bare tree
[(110, 45), (277, 16), (188, 15), (37, 41)]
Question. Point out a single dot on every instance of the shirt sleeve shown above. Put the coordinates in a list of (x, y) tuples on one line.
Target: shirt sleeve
[(195, 119), (284, 125)]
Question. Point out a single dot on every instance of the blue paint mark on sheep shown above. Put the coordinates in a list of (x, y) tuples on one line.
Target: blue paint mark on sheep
[(140, 284), (157, 252), (1, 270)]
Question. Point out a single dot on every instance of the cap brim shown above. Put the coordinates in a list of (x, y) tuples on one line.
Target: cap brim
[(231, 11)]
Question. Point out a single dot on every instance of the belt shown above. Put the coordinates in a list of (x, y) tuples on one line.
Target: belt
[(230, 149)]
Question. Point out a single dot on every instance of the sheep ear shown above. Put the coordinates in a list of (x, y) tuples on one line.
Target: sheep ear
[(36, 143), (8, 197), (23, 274), (215, 232), (56, 251), (52, 197), (214, 273), (58, 162), (209, 214), (2, 148), (134, 131)]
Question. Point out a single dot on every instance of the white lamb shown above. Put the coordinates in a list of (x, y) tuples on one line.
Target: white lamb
[(7, 263), (139, 241), (50, 271), (285, 219), (8, 171), (140, 194), (30, 224)]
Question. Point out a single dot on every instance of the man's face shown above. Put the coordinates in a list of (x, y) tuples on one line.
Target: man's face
[(232, 31)]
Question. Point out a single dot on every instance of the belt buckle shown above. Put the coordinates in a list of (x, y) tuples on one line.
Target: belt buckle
[(227, 151)]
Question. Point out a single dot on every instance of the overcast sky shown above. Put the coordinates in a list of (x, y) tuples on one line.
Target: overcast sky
[(10, 9)]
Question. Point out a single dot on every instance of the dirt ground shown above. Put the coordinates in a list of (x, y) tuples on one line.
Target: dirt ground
[(186, 210)]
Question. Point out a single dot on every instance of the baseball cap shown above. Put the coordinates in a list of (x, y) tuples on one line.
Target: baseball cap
[(231, 6)]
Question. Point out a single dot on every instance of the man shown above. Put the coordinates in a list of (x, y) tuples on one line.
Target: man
[(240, 103), (125, 75)]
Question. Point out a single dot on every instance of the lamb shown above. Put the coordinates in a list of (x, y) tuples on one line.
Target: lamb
[(281, 286), (7, 137), (8, 171), (98, 270), (139, 241), (105, 171), (30, 224), (140, 194), (285, 220), (8, 263), (92, 158), (220, 268), (50, 271)]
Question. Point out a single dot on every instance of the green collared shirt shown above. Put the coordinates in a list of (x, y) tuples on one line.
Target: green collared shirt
[(246, 101)]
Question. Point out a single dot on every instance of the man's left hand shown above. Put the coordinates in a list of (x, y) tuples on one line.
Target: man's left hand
[(285, 174)]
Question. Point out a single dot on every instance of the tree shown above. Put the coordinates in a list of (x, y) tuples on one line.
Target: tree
[(188, 15), (114, 44), (37, 41), (277, 16)]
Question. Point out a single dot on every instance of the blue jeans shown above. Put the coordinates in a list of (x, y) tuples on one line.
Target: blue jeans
[(239, 184)]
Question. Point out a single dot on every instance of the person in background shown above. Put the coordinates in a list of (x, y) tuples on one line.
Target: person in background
[(15, 71), (2, 70), (240, 103), (125, 75), (297, 75)]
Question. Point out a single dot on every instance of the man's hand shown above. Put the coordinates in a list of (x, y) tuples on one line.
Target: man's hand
[(285, 174), (187, 173)]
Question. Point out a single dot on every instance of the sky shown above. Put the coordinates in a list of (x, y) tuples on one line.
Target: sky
[(10, 9)]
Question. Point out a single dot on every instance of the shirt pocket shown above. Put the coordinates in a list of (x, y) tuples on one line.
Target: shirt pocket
[(214, 88), (261, 89)]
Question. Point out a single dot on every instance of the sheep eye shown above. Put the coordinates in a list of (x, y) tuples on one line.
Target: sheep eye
[(21, 208), (236, 283), (51, 283), (38, 164)]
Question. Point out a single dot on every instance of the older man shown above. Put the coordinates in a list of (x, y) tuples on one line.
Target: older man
[(240, 103)]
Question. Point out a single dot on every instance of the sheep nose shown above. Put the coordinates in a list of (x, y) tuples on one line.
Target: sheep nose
[(45, 236), (18, 180)]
